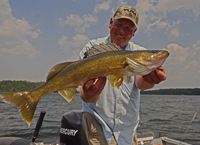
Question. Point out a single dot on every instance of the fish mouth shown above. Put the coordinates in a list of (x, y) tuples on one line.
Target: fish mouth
[(156, 64), (162, 54)]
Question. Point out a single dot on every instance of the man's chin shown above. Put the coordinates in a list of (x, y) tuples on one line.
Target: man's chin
[(120, 43)]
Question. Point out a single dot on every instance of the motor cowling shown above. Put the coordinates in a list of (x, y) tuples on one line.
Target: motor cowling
[(71, 131), (13, 141)]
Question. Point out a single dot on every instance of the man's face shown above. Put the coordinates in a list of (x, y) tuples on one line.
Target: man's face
[(121, 31)]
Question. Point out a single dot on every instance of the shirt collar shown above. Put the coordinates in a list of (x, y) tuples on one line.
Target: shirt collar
[(126, 48)]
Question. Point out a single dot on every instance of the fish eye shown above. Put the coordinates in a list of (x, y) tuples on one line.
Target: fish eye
[(154, 51)]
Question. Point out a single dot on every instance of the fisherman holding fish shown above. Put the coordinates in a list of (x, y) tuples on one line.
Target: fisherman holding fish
[(110, 104), (111, 115)]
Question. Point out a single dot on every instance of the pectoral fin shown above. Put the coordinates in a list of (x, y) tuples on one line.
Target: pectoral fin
[(67, 93), (137, 68), (115, 81), (127, 79)]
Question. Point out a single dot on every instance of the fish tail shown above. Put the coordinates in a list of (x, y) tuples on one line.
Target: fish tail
[(24, 101)]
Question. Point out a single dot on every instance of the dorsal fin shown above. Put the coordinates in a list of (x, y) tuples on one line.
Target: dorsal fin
[(101, 48)]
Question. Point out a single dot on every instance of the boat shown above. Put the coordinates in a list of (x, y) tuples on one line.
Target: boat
[(71, 133)]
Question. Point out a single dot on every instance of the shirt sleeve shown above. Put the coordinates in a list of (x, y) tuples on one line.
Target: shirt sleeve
[(85, 48), (91, 43), (137, 47)]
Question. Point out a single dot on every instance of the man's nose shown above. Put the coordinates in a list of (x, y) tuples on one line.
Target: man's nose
[(122, 30)]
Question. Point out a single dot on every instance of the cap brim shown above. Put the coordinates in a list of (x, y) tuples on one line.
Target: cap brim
[(124, 17)]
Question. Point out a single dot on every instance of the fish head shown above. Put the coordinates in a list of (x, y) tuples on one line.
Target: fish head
[(152, 58), (144, 62)]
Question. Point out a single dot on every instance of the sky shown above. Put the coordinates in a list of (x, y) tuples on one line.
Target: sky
[(37, 34)]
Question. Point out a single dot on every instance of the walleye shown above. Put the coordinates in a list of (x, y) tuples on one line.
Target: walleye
[(102, 60)]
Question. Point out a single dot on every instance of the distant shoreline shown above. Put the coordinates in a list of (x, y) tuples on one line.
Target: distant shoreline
[(176, 91), (16, 86)]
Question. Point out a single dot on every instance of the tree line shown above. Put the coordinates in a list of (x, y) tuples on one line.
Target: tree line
[(16, 86), (185, 91)]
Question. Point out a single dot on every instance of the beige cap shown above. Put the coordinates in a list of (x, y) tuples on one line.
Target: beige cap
[(127, 12)]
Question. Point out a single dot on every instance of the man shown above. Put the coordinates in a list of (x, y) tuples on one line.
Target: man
[(111, 115)]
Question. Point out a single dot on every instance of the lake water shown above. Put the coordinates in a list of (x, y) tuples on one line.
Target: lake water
[(169, 116)]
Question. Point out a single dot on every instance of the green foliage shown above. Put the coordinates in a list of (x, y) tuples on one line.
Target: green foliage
[(16, 86), (195, 91)]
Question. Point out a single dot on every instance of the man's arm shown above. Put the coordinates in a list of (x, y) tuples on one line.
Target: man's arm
[(91, 90), (149, 81)]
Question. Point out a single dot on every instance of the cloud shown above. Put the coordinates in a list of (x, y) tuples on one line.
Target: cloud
[(178, 54), (18, 48), (80, 23), (74, 56), (196, 47), (178, 68), (171, 5), (13, 27), (77, 41), (171, 30), (104, 6), (192, 66), (154, 14), (121, 2), (13, 33), (72, 20)]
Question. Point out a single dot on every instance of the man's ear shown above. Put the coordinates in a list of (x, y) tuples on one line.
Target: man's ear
[(111, 21), (134, 31)]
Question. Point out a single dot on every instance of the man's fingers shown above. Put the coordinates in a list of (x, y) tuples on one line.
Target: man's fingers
[(102, 82), (98, 84), (94, 86), (161, 75), (155, 77), (89, 83)]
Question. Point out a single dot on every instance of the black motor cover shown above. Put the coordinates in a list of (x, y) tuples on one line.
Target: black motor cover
[(13, 141), (71, 131)]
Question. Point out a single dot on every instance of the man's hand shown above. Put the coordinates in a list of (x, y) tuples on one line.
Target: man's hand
[(156, 76), (91, 90), (148, 81)]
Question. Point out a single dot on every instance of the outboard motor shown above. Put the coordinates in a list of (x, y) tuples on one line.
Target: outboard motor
[(71, 131), (13, 141)]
